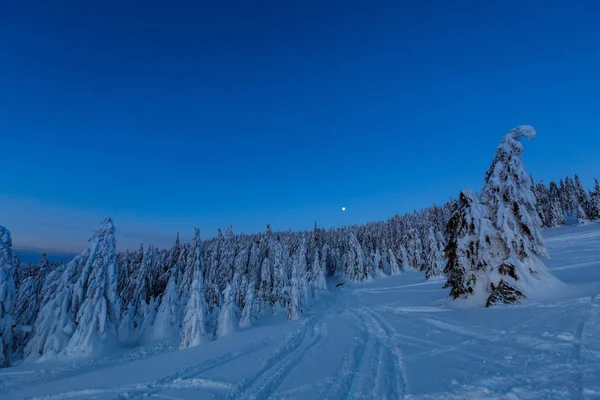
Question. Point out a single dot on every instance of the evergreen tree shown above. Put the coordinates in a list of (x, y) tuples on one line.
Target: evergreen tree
[(279, 278), (241, 276), (556, 215), (266, 286), (316, 277), (7, 297), (293, 299), (405, 259), (227, 259), (595, 201), (301, 281), (225, 324), (507, 193), (97, 317), (325, 259), (394, 267), (141, 310), (28, 299), (469, 247), (248, 310), (582, 200), (193, 328), (414, 249), (81, 304), (542, 198), (434, 256), (168, 321), (354, 261), (254, 263)]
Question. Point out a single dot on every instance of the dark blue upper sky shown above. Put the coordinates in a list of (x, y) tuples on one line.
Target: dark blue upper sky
[(171, 114)]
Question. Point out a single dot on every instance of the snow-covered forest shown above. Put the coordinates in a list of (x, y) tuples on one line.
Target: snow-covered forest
[(486, 245)]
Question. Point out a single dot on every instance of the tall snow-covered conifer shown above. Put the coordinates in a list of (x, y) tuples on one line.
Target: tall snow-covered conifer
[(98, 315), (595, 201), (434, 254), (168, 320), (226, 321), (80, 311), (193, 328), (508, 195), (249, 307), (469, 249)]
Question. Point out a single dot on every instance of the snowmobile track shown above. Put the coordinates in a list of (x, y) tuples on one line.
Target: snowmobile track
[(386, 334), (281, 373), (194, 370), (346, 372), (294, 342)]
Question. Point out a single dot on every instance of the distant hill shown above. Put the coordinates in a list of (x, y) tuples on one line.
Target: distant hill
[(33, 256)]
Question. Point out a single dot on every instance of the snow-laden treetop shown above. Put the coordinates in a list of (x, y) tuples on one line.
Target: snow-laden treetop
[(523, 131), (5, 238), (106, 228)]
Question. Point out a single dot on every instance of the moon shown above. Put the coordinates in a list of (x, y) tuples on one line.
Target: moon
[(343, 208)]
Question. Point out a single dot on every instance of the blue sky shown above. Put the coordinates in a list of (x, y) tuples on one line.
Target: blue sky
[(167, 115)]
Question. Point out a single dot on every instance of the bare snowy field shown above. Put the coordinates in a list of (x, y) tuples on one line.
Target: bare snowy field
[(389, 339)]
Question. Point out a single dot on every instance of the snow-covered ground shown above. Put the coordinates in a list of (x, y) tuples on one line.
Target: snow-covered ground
[(388, 339)]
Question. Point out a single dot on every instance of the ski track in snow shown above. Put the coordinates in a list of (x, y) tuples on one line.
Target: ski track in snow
[(392, 338), (351, 361), (276, 367), (195, 370)]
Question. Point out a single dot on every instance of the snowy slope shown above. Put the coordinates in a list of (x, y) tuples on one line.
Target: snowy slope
[(388, 339)]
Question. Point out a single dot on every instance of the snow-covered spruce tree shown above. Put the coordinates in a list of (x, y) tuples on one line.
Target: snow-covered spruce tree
[(368, 246), (26, 308), (595, 201), (556, 215), (301, 281), (542, 202), (241, 276), (142, 308), (55, 322), (193, 328), (507, 193), (469, 249), (80, 302), (266, 287), (582, 199), (7, 297), (28, 300), (293, 298), (354, 261), (394, 266), (168, 320), (434, 254), (404, 259), (227, 254), (227, 314), (248, 311), (576, 210), (185, 274), (97, 317), (414, 249), (254, 263), (316, 276), (278, 268)]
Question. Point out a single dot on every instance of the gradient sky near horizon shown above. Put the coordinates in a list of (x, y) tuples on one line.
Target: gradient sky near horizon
[(169, 115)]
